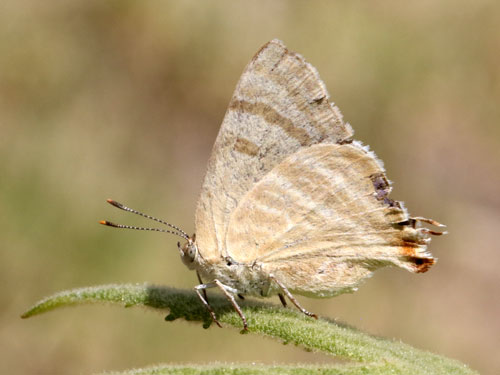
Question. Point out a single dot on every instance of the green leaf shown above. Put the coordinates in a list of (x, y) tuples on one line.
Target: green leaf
[(370, 355)]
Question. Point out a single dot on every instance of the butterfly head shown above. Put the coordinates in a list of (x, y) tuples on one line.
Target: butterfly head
[(189, 252)]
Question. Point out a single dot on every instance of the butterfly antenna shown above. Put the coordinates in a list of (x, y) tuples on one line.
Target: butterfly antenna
[(178, 231), (110, 224)]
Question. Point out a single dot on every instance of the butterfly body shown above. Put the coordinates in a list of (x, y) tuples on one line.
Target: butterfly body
[(245, 279)]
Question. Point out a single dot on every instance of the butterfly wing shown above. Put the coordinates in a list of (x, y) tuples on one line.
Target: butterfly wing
[(279, 105), (321, 221)]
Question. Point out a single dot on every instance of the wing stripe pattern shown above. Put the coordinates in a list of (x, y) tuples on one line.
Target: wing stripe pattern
[(272, 117)]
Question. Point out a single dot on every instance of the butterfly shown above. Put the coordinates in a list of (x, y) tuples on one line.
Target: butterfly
[(290, 203)]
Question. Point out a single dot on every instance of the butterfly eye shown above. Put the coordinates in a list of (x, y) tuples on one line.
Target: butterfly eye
[(192, 252), (189, 252)]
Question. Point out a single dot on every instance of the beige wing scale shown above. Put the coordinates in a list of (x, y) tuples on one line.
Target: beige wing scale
[(321, 221), (280, 105)]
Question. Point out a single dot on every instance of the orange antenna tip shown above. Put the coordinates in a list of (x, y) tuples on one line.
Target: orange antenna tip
[(109, 223), (116, 204)]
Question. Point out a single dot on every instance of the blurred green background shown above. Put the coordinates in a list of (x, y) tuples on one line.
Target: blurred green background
[(123, 100)]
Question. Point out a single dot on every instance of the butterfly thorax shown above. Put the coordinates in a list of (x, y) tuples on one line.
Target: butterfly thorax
[(246, 279)]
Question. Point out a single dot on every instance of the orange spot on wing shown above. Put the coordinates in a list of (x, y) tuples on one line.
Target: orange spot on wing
[(422, 264)]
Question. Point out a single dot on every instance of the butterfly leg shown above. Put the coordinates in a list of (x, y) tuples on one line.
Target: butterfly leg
[(282, 299), (204, 301), (228, 293), (201, 282), (291, 297)]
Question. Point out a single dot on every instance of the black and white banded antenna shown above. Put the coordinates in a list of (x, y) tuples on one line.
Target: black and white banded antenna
[(178, 231)]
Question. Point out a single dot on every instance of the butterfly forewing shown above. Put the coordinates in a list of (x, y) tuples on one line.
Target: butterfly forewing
[(280, 105)]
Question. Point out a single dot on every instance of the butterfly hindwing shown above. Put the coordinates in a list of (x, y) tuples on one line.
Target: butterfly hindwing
[(321, 220)]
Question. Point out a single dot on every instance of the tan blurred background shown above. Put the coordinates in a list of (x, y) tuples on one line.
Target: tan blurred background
[(124, 99)]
